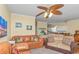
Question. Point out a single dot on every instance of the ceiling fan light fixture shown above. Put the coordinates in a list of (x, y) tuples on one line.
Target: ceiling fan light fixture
[(50, 15), (52, 10), (46, 14)]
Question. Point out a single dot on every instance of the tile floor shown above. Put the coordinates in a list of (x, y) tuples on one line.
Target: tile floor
[(44, 51)]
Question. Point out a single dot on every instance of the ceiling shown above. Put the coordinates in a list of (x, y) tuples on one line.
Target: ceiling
[(70, 11)]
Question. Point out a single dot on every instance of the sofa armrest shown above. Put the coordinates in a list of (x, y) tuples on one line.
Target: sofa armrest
[(20, 46), (74, 45), (41, 40)]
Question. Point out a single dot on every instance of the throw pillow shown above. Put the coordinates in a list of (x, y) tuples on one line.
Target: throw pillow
[(32, 38), (50, 39), (36, 38), (67, 40), (27, 39), (18, 39)]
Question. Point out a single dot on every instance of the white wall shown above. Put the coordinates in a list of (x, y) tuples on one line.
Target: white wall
[(59, 27), (25, 20), (41, 25), (73, 25)]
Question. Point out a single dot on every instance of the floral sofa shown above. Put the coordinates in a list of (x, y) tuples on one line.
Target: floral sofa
[(32, 41), (26, 43), (60, 41), (23, 45)]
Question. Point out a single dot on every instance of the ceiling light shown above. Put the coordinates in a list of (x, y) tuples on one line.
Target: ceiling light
[(46, 14), (50, 15)]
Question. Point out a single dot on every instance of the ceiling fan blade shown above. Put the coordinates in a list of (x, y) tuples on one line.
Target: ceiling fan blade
[(44, 8), (57, 6), (40, 14), (56, 12)]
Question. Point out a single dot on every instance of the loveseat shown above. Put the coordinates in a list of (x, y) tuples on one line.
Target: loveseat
[(60, 41)]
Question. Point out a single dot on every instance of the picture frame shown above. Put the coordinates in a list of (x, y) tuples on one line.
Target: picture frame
[(3, 27), (29, 27), (18, 25)]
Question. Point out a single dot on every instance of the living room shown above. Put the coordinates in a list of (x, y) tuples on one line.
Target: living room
[(22, 25)]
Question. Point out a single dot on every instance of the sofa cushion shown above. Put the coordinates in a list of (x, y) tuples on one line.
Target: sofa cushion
[(18, 40), (34, 38), (67, 40), (50, 39), (58, 37), (21, 46), (27, 39)]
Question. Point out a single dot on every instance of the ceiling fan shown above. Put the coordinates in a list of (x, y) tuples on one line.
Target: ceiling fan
[(48, 12)]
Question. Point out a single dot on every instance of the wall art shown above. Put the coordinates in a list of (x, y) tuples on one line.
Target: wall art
[(3, 27)]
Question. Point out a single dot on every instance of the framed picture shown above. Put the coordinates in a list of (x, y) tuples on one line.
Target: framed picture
[(3, 27), (29, 27), (18, 25)]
